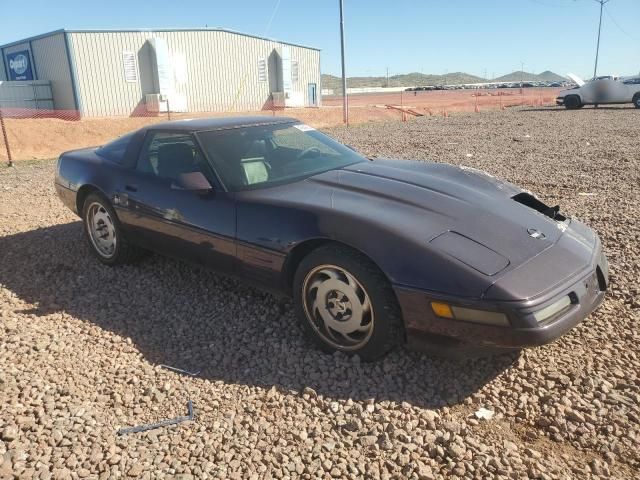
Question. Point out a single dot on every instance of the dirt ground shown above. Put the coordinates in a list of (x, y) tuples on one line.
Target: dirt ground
[(437, 101), (82, 344), (40, 138)]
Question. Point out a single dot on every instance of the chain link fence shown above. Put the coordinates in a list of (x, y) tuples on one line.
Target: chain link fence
[(38, 133)]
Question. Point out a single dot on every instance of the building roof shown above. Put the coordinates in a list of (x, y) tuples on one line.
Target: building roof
[(218, 123), (151, 30)]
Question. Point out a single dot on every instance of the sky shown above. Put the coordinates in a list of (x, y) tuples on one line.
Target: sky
[(485, 38)]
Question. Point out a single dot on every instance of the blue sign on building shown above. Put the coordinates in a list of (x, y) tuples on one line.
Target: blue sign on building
[(19, 64)]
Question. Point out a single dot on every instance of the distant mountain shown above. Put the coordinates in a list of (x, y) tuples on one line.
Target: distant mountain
[(420, 79), (405, 80), (546, 76)]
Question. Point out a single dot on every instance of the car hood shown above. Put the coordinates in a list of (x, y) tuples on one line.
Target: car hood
[(426, 200)]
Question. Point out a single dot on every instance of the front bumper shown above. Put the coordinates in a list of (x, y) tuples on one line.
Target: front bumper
[(67, 196), (426, 331)]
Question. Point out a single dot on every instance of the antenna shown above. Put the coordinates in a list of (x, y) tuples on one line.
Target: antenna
[(602, 4)]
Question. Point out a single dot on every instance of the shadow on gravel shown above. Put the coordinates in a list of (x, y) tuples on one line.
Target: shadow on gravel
[(183, 316)]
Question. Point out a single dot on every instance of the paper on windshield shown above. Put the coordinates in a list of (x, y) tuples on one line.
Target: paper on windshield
[(304, 128)]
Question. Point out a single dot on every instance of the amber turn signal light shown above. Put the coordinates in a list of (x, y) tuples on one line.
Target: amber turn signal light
[(441, 309)]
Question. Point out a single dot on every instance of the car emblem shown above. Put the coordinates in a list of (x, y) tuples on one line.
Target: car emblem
[(533, 233)]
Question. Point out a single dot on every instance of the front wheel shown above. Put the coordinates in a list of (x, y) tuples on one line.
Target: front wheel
[(636, 101), (346, 304), (103, 232), (571, 102)]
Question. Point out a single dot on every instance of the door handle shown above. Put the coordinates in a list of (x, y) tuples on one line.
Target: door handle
[(131, 188)]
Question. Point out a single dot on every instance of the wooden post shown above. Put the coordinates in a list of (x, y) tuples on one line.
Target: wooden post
[(6, 139)]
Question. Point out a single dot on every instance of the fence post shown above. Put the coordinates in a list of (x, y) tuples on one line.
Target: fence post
[(168, 110), (6, 139), (35, 96)]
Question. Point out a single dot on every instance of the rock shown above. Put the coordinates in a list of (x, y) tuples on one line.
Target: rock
[(456, 451), (510, 446), (575, 416), (368, 440), (10, 433), (56, 437), (309, 392), (135, 470), (83, 473)]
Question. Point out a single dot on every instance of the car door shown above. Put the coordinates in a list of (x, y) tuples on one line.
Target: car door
[(163, 216), (633, 87)]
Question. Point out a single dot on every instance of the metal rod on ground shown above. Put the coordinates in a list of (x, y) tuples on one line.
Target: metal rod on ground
[(164, 423), (595, 67), (345, 104), (6, 139)]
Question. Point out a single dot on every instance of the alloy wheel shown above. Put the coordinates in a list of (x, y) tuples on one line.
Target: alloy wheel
[(101, 229), (338, 307)]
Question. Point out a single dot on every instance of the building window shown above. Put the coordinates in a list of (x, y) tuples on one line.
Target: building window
[(262, 70), (294, 71), (129, 64)]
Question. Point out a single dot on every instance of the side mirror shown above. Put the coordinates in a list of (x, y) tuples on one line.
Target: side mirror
[(194, 182)]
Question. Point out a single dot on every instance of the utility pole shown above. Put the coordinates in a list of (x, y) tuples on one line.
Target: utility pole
[(387, 77), (521, 73), (345, 105), (595, 67)]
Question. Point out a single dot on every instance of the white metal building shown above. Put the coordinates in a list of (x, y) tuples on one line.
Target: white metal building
[(129, 72)]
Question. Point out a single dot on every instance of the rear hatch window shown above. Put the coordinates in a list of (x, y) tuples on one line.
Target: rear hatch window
[(115, 150)]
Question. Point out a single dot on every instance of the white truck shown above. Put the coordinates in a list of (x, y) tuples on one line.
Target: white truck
[(600, 91)]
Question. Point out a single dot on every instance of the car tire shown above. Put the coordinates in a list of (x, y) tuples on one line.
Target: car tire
[(104, 233), (572, 102), (636, 100), (359, 301)]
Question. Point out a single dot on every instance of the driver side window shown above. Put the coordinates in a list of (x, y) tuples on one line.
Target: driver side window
[(169, 155)]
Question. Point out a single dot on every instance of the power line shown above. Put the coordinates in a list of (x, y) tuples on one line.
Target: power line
[(606, 10), (273, 14)]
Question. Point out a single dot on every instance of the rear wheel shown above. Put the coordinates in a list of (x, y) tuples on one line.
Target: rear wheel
[(571, 102), (636, 100), (346, 304), (104, 234)]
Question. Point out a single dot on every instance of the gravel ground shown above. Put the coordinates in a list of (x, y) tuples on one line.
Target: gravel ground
[(81, 344)]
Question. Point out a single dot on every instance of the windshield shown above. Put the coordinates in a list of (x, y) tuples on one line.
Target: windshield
[(267, 155)]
